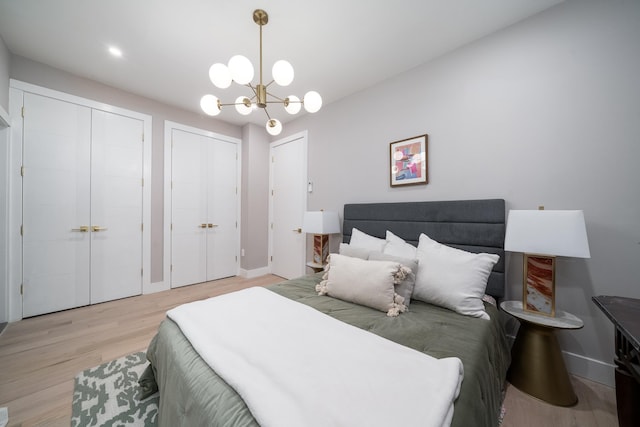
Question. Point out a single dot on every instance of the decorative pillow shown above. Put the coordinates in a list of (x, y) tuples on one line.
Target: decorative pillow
[(353, 251), (369, 283), (396, 246), (404, 288), (360, 239), (452, 278), (490, 300)]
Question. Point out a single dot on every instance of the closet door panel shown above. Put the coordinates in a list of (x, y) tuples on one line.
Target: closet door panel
[(189, 209), (222, 237), (55, 205), (116, 206)]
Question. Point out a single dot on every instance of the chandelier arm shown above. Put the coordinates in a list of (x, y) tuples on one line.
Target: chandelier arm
[(253, 89), (269, 84), (230, 103), (267, 113), (274, 96)]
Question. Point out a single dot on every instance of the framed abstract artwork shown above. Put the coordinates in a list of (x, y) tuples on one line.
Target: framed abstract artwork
[(408, 161)]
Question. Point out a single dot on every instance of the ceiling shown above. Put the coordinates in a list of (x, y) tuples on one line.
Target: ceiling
[(336, 47)]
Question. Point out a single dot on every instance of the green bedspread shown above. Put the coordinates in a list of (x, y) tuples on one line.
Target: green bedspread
[(193, 395)]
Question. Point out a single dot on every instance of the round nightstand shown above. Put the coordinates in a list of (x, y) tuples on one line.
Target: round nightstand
[(315, 267), (537, 366)]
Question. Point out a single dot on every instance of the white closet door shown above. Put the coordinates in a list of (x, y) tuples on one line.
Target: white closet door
[(288, 202), (116, 206), (188, 209), (55, 205), (222, 236)]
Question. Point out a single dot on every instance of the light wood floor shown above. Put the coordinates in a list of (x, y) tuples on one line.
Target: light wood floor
[(40, 356)]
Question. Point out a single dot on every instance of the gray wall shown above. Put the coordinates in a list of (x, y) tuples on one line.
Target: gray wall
[(39, 74), (255, 197), (546, 112), (5, 62)]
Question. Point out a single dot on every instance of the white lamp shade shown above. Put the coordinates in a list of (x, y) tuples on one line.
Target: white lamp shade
[(321, 222), (220, 75), (241, 69), (547, 232), (274, 127), (209, 104), (282, 72), (294, 105), (241, 107), (312, 101)]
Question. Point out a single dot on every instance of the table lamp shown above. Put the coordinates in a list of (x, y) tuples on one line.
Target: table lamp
[(320, 224), (542, 235)]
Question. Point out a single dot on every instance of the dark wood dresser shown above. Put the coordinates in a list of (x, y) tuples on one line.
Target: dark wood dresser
[(625, 315)]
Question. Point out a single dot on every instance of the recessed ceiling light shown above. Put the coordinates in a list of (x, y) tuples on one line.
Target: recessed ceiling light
[(115, 51)]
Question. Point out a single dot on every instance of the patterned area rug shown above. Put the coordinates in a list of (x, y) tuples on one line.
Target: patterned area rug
[(107, 395)]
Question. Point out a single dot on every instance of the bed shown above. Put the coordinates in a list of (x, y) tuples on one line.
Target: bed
[(193, 394)]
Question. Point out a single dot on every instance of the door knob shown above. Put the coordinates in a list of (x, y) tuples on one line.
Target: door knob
[(82, 229), (203, 226), (212, 225), (297, 230), (98, 228)]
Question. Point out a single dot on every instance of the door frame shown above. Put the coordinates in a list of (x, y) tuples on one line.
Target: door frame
[(169, 126), (17, 89), (305, 171), (4, 213)]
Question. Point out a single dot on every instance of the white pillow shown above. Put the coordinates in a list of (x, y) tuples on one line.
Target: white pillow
[(369, 283), (353, 251), (396, 246), (360, 239), (452, 278), (404, 288)]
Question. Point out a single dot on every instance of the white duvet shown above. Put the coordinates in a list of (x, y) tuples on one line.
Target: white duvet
[(295, 366)]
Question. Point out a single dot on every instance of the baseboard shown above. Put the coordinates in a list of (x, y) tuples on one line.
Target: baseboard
[(250, 274), (591, 369), (585, 367), (155, 287)]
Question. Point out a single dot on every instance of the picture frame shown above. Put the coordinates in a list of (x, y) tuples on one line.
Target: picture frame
[(408, 161), (539, 285)]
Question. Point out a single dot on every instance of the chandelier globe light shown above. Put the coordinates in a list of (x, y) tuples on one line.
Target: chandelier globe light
[(240, 70)]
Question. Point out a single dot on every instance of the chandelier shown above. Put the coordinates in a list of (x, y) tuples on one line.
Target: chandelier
[(240, 70)]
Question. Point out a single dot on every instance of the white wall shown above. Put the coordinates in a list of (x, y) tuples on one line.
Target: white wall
[(546, 112), (4, 177), (5, 58)]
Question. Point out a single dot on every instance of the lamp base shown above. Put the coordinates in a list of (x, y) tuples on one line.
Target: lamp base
[(538, 293), (320, 248)]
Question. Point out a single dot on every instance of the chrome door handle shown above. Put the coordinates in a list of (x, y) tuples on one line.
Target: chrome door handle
[(97, 228), (82, 229), (297, 230)]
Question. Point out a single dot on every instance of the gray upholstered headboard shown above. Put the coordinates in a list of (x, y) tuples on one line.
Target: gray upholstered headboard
[(471, 225)]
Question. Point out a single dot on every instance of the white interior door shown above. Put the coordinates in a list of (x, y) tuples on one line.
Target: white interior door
[(222, 214), (188, 209), (56, 160), (116, 206), (288, 203)]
